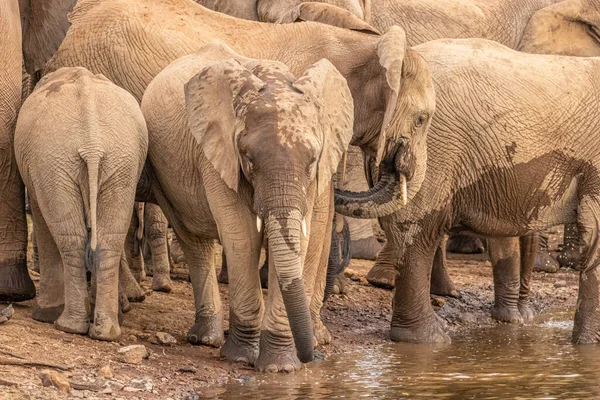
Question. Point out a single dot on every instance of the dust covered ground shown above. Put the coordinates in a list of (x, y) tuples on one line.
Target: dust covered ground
[(358, 319)]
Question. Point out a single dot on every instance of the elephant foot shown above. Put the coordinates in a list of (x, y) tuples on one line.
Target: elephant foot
[(340, 285), (544, 262), (235, 350), (503, 313), (176, 252), (585, 328), (162, 283), (223, 276), (207, 331), (47, 314), (430, 333), (15, 283), (134, 292), (124, 304), (139, 276), (72, 325), (105, 329), (569, 258), (382, 276), (264, 275), (321, 333), (365, 249), (526, 311), (276, 358), (462, 244)]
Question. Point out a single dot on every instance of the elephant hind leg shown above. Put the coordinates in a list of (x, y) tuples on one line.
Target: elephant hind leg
[(156, 229), (506, 264), (441, 284), (586, 328)]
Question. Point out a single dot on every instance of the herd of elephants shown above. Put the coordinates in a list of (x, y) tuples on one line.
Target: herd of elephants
[(264, 124)]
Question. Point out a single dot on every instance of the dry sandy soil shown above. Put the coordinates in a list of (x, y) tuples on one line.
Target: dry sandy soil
[(356, 320)]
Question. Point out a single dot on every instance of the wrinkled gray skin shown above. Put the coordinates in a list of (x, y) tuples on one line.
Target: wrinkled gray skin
[(15, 284), (507, 173), (391, 84), (81, 144), (243, 115)]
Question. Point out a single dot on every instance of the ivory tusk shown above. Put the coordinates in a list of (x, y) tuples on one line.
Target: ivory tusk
[(403, 191), (304, 227), (258, 223)]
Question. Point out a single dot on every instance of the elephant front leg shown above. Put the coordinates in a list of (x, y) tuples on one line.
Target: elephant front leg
[(413, 317), (529, 247), (208, 319), (506, 265), (156, 226)]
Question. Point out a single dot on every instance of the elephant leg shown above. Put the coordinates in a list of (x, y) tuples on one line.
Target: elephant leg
[(506, 265), (112, 233), (223, 274), (463, 244), (208, 320), (51, 298), (156, 230), (413, 317), (544, 262), (176, 252), (264, 269), (570, 256), (528, 246), (316, 263), (35, 252), (383, 274), (441, 284), (131, 289), (586, 328), (130, 263), (134, 255)]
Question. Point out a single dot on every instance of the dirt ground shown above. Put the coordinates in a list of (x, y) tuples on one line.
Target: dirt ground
[(358, 319)]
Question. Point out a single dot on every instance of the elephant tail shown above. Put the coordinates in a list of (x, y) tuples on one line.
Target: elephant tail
[(92, 158)]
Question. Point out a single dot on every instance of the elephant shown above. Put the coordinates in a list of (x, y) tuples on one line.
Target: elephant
[(391, 85), (81, 144), (238, 145), (527, 161)]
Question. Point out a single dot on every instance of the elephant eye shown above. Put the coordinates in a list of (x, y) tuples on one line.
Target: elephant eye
[(420, 120)]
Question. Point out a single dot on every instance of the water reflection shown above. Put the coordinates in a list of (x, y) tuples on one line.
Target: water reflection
[(536, 361)]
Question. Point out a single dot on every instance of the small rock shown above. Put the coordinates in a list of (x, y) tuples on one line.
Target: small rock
[(144, 383), (209, 393), (106, 372), (559, 284), (191, 370), (438, 302), (56, 379), (165, 338), (134, 354), (355, 278), (131, 389), (6, 314)]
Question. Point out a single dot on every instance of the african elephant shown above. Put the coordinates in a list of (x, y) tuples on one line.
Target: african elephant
[(235, 144), (391, 85), (527, 162), (81, 144)]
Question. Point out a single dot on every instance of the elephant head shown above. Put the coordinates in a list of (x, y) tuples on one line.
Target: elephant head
[(258, 125), (398, 138), (570, 28)]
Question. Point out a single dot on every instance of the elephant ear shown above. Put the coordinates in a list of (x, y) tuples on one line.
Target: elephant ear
[(327, 14), (323, 83), (44, 30), (215, 101), (391, 50)]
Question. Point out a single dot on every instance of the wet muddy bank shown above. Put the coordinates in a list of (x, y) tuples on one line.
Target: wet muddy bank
[(358, 320)]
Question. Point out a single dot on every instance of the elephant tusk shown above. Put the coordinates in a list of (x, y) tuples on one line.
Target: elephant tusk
[(403, 191), (304, 227), (258, 223)]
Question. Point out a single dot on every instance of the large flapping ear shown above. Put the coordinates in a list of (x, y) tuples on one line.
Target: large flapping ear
[(46, 25), (212, 101), (327, 14), (323, 83), (391, 50)]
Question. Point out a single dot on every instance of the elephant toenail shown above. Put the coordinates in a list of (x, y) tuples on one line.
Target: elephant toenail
[(206, 339), (192, 338), (288, 368), (271, 368), (242, 360)]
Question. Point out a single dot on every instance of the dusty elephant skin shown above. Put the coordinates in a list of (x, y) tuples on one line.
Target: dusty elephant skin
[(15, 284), (80, 145), (262, 147), (505, 173)]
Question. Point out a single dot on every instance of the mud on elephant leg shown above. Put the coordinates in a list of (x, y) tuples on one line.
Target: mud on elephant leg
[(506, 264), (441, 284), (156, 229), (413, 318), (208, 320), (51, 300), (570, 256), (528, 246), (383, 272), (544, 262)]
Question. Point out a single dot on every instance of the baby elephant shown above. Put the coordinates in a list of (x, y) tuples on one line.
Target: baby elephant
[(81, 144)]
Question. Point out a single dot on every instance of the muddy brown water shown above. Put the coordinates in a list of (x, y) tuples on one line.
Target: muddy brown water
[(534, 361)]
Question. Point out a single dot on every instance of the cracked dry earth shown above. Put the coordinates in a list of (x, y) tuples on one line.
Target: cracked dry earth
[(91, 369)]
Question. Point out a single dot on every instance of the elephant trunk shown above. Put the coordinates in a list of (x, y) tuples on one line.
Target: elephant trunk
[(283, 229)]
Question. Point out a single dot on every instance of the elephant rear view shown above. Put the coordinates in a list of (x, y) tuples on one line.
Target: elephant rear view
[(81, 144)]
